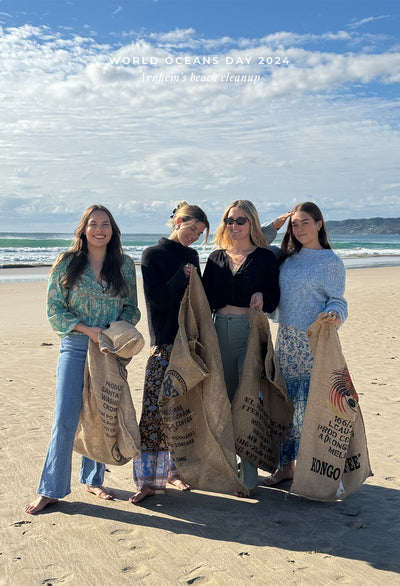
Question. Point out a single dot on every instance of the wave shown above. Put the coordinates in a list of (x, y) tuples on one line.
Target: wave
[(28, 249), (363, 252)]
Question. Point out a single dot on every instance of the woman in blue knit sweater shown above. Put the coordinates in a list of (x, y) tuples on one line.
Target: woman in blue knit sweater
[(312, 280)]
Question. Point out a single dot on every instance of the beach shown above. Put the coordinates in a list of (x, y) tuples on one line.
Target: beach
[(199, 538)]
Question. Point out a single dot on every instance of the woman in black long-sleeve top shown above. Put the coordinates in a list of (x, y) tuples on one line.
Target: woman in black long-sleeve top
[(241, 274), (166, 268)]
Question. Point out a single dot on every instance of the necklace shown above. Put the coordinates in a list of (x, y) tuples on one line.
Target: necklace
[(237, 259)]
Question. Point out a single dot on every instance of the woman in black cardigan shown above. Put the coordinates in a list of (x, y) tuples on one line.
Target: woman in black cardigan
[(241, 274)]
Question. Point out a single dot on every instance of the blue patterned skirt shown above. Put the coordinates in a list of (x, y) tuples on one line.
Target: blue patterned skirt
[(154, 467), (295, 362)]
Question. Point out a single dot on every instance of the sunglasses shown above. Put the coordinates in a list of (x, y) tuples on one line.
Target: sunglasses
[(239, 221)]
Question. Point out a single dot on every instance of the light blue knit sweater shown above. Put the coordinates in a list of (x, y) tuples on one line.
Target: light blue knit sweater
[(311, 281)]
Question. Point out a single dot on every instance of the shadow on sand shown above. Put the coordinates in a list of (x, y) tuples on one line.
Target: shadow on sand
[(365, 526)]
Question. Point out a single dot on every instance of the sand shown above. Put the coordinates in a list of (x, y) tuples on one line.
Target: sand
[(198, 538)]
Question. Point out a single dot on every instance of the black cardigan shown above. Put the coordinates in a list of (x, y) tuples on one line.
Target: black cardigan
[(259, 272)]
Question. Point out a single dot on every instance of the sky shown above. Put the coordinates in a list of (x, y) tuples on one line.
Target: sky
[(140, 104)]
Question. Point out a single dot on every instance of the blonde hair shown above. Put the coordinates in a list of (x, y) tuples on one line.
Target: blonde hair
[(189, 213), (222, 237)]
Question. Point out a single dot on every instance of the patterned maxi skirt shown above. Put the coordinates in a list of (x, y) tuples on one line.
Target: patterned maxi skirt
[(154, 466), (295, 361)]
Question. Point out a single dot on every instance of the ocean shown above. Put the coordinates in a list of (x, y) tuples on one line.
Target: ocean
[(24, 250)]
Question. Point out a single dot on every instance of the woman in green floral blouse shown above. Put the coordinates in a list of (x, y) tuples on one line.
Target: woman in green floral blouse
[(89, 286)]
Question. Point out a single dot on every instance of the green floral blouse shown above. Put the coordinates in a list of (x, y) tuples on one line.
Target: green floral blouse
[(87, 303)]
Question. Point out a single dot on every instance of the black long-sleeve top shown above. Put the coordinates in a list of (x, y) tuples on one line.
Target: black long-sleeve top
[(164, 285), (258, 273)]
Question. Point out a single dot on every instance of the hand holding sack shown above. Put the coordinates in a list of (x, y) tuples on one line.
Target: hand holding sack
[(333, 457), (193, 401), (261, 408), (108, 431)]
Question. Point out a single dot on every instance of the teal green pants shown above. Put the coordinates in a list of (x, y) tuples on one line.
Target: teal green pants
[(233, 332)]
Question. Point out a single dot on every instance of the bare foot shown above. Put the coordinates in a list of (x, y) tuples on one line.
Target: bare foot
[(101, 492), (245, 495), (144, 492), (39, 504), (276, 478), (279, 476), (177, 481)]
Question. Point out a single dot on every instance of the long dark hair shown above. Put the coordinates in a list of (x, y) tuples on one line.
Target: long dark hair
[(111, 270), (290, 245)]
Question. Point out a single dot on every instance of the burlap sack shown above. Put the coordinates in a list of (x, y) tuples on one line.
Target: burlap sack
[(121, 338), (333, 457), (193, 401), (108, 431), (260, 423)]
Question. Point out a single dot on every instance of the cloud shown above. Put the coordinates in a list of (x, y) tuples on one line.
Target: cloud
[(189, 167), (362, 21), (178, 35), (82, 125)]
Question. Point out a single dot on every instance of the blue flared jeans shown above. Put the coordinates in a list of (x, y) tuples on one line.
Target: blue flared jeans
[(56, 476)]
